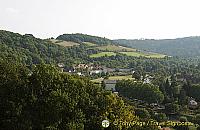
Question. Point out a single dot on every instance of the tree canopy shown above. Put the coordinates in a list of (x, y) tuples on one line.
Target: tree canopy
[(44, 98)]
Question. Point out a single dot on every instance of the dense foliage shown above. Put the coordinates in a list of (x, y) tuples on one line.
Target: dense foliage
[(136, 90), (80, 38), (29, 50), (47, 99)]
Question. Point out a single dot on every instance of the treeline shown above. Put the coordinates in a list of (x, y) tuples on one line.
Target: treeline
[(80, 38), (182, 47)]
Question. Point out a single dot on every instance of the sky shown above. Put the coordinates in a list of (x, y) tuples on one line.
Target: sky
[(114, 19)]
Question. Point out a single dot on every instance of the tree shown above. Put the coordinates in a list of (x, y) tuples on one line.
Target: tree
[(197, 119), (160, 117), (172, 108), (194, 91), (182, 97), (182, 119), (115, 110), (136, 75), (142, 113), (147, 92), (13, 95), (167, 87), (187, 87)]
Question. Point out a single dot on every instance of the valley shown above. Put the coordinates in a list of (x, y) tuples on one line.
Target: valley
[(93, 78)]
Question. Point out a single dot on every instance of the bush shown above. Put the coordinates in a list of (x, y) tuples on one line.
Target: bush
[(160, 117), (197, 119), (172, 108), (183, 119), (142, 113)]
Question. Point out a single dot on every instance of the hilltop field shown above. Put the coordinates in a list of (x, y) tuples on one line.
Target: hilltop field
[(64, 43), (114, 48)]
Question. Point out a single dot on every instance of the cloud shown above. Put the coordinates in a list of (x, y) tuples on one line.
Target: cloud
[(12, 10)]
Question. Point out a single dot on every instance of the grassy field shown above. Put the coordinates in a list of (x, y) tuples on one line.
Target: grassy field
[(64, 43), (133, 53), (148, 55), (102, 54), (121, 77), (99, 80), (115, 48), (89, 44)]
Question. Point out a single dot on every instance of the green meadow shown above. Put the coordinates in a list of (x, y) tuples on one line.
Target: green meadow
[(102, 54), (148, 55)]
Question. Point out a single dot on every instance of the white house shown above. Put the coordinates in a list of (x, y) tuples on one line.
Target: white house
[(192, 103), (95, 72)]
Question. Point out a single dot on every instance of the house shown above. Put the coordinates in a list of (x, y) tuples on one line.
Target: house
[(95, 72), (81, 66), (147, 79), (61, 66), (157, 107), (69, 69), (110, 84), (80, 74), (96, 67), (30, 73), (116, 93), (124, 70), (192, 103), (107, 70)]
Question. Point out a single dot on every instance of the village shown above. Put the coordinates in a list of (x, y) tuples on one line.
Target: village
[(108, 77), (101, 74)]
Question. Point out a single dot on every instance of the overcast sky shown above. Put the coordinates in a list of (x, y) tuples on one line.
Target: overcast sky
[(114, 19)]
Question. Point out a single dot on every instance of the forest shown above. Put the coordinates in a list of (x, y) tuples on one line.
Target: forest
[(182, 47)]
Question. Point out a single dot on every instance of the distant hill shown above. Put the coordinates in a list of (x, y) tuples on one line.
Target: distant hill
[(105, 46), (81, 38), (183, 47), (29, 50)]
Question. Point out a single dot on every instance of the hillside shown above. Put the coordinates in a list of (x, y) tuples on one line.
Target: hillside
[(29, 50), (104, 46), (183, 47)]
